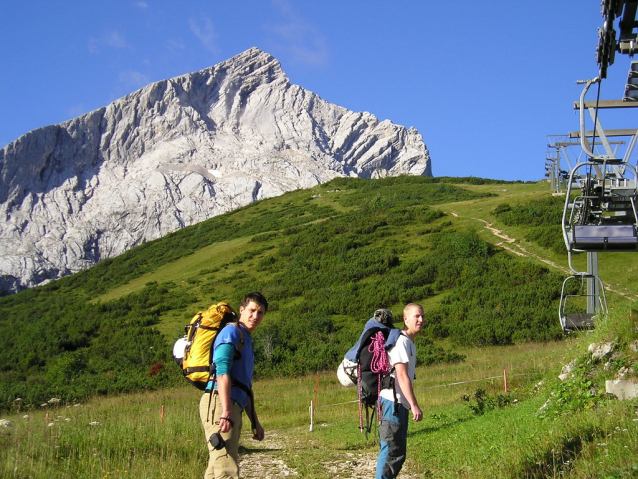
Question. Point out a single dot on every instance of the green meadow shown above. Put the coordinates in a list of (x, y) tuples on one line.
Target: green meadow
[(486, 260), (157, 434)]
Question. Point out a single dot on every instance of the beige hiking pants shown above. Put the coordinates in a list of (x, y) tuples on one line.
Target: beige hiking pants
[(223, 463)]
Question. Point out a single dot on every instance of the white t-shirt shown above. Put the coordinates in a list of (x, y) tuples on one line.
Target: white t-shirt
[(404, 351)]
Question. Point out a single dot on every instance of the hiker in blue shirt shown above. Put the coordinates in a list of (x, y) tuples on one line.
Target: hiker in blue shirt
[(393, 430), (225, 399)]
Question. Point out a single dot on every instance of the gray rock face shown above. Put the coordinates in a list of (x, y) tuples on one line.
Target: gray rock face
[(173, 154)]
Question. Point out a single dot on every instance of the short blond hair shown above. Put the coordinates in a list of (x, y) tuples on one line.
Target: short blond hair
[(410, 306)]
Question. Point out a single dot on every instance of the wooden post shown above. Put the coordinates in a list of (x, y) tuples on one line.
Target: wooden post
[(505, 379), (313, 405), (162, 414)]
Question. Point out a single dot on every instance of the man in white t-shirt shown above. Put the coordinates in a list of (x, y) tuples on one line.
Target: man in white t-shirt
[(393, 430)]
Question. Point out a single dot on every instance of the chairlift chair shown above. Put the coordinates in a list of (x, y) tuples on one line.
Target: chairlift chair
[(603, 216), (600, 218), (574, 313)]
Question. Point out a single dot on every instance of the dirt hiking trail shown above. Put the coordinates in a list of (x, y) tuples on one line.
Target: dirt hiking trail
[(510, 244), (263, 460)]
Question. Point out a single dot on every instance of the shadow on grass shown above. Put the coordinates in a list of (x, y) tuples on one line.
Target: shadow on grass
[(260, 450), (556, 458), (449, 423)]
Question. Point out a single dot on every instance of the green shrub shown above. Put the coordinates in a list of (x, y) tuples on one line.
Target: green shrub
[(484, 403), (542, 217)]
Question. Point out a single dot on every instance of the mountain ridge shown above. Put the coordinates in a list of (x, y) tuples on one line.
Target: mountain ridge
[(175, 153)]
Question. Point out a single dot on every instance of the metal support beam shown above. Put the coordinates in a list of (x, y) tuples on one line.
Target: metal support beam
[(593, 288), (608, 133), (604, 104)]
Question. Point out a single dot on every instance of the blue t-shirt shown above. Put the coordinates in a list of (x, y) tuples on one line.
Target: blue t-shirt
[(242, 367)]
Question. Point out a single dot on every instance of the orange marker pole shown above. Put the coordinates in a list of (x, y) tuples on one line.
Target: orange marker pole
[(316, 391)]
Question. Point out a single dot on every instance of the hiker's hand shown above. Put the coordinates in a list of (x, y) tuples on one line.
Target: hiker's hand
[(225, 423), (417, 414), (259, 433)]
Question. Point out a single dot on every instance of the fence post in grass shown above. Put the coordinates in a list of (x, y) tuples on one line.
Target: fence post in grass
[(505, 379), (162, 414), (313, 405), (312, 416)]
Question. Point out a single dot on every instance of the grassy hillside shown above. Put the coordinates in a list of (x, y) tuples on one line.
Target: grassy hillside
[(481, 256), (325, 258)]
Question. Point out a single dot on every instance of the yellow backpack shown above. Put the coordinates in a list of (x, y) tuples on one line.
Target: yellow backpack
[(193, 352)]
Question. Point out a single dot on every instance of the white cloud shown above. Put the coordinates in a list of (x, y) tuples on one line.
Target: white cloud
[(304, 43), (300, 38), (141, 5), (110, 39), (205, 32), (176, 45), (76, 110), (132, 80)]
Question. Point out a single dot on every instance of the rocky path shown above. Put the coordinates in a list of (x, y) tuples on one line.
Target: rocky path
[(262, 459), (512, 246), (266, 460)]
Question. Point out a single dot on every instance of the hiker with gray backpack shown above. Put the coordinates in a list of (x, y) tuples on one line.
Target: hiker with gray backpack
[(382, 365), (364, 365), (395, 405)]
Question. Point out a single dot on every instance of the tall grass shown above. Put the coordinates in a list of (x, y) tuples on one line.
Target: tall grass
[(158, 434), (111, 437)]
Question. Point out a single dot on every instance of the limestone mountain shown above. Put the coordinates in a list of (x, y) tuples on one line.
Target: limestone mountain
[(175, 153)]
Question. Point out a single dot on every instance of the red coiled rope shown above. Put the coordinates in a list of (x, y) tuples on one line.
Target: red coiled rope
[(379, 365)]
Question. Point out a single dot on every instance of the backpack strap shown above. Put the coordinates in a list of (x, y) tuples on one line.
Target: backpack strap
[(240, 346), (233, 381), (252, 416), (242, 386), (251, 397), (370, 418)]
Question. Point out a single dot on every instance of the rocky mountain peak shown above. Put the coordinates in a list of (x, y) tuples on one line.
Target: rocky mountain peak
[(175, 153)]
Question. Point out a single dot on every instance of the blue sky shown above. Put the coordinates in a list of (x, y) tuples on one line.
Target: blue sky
[(484, 81)]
